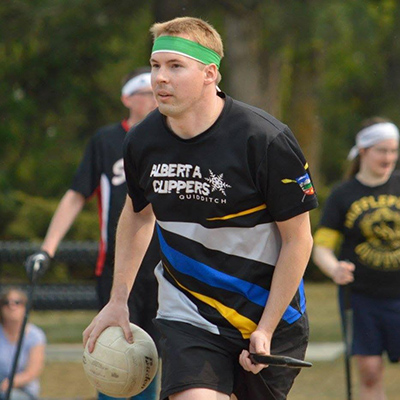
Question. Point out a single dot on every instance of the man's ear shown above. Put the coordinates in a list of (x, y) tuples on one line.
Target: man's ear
[(211, 74)]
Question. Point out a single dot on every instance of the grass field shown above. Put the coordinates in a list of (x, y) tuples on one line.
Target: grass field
[(324, 381), (67, 326)]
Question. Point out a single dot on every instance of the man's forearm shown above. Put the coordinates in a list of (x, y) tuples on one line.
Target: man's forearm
[(293, 259), (133, 237), (68, 209), (286, 280)]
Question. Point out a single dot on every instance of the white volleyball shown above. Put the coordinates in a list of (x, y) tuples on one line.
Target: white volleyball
[(118, 368)]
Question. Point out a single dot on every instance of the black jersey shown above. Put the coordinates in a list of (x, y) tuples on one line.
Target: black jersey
[(369, 220), (101, 172), (216, 198)]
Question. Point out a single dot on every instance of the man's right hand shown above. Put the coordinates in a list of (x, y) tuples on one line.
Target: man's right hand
[(115, 313), (37, 264)]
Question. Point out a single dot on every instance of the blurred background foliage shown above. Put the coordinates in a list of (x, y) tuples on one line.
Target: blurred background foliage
[(320, 66)]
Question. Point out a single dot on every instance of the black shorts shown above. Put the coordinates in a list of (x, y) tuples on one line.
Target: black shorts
[(195, 358), (376, 326)]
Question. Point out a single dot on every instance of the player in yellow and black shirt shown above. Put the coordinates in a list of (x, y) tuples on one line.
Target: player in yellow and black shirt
[(362, 217)]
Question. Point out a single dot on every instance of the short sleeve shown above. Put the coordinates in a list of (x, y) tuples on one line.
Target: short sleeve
[(332, 216), (284, 178), (135, 191), (36, 336), (326, 237), (88, 174)]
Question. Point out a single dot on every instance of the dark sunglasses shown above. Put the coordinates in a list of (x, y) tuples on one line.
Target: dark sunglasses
[(12, 302)]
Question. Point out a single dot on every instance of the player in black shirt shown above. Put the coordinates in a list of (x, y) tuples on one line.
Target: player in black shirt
[(230, 191), (101, 174), (362, 217)]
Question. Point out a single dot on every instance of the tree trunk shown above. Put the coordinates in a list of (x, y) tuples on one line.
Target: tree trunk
[(241, 59), (302, 116)]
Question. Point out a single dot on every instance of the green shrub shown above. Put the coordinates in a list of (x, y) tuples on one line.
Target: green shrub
[(28, 217)]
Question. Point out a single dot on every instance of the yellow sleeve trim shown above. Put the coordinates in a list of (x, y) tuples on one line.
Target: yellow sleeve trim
[(327, 237)]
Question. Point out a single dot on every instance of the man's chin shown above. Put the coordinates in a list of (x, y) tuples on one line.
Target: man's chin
[(167, 110)]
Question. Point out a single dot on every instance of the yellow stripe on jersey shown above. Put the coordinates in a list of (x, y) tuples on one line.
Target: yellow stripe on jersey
[(327, 237), (243, 324), (239, 214)]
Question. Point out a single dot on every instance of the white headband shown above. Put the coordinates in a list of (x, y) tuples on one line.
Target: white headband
[(371, 135), (138, 82)]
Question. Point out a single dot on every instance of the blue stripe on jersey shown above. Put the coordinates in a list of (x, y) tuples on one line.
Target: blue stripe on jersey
[(302, 297), (202, 272)]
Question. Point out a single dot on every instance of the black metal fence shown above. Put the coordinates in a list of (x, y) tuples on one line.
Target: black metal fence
[(55, 296), (16, 252)]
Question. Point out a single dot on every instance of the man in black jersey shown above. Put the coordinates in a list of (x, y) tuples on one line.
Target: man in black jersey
[(101, 174), (230, 191)]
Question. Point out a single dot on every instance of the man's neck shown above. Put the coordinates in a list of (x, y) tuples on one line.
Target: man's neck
[(197, 120)]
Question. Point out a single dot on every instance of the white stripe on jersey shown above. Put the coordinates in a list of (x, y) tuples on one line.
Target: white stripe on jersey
[(105, 190), (261, 243), (174, 305)]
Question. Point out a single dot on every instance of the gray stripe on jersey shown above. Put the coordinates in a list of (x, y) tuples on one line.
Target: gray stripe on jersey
[(260, 243)]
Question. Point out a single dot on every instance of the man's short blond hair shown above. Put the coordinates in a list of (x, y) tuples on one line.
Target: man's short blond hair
[(195, 28)]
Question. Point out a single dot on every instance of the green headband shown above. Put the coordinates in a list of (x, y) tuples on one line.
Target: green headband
[(187, 48)]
